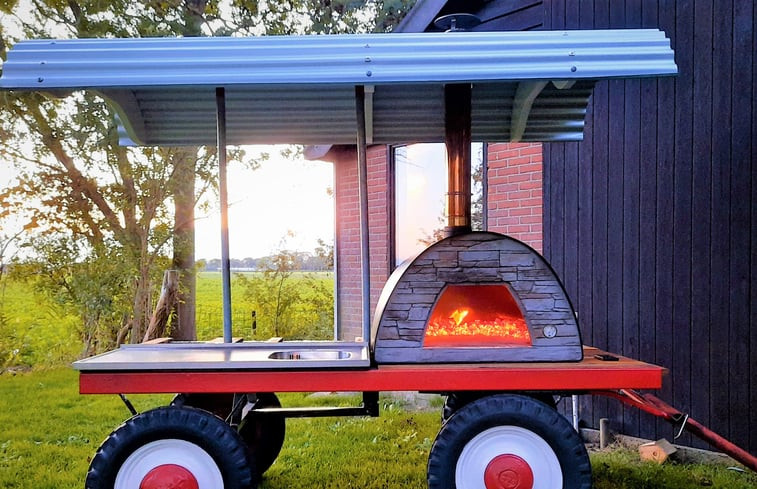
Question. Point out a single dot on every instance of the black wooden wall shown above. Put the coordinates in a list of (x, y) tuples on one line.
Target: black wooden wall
[(651, 221), (501, 15), (495, 15)]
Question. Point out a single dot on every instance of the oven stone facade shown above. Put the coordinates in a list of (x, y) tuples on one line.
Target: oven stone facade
[(414, 288)]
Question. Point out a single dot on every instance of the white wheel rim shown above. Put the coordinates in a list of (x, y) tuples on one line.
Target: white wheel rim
[(164, 452), (504, 440)]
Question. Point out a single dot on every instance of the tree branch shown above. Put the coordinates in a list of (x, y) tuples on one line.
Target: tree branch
[(79, 183)]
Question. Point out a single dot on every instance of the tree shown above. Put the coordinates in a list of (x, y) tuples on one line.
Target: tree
[(102, 196), (288, 303)]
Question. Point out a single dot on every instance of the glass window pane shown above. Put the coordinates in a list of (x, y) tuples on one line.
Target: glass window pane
[(420, 196)]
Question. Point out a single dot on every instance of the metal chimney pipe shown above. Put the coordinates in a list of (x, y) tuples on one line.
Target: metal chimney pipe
[(457, 138)]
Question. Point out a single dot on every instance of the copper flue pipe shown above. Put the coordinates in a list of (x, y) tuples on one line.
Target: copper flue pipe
[(457, 121)]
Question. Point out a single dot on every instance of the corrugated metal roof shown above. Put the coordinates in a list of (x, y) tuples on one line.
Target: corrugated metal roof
[(300, 89)]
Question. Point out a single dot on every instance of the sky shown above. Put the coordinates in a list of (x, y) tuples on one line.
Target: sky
[(265, 204)]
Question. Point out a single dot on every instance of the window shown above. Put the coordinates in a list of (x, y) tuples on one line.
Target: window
[(420, 188)]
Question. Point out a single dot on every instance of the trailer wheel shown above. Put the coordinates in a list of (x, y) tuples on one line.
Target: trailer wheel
[(456, 400), (508, 442), (179, 447), (218, 404), (264, 432)]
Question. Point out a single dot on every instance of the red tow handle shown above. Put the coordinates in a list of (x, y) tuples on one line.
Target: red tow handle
[(657, 407)]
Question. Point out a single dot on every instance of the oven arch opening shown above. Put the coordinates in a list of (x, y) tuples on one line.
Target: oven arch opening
[(477, 315)]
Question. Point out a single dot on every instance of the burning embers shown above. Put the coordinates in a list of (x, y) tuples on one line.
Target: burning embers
[(476, 316), (476, 297)]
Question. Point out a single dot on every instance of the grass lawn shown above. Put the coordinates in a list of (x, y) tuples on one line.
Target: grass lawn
[(48, 432)]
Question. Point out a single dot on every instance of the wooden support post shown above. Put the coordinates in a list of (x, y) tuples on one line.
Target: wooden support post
[(362, 173), (169, 294)]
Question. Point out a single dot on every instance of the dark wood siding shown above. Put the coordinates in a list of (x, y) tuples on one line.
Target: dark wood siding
[(652, 219), (495, 15)]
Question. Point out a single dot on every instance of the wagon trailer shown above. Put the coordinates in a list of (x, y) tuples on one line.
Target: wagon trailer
[(478, 317)]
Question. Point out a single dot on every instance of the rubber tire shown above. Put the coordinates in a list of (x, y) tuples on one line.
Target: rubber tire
[(218, 404), (264, 432), (210, 433), (503, 410), (456, 400)]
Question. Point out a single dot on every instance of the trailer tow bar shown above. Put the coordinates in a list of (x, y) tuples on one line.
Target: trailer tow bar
[(657, 407)]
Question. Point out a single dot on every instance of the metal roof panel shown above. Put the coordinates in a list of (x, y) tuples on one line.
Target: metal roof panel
[(300, 89)]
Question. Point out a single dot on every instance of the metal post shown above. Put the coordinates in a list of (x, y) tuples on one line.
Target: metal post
[(485, 186), (574, 400), (223, 191), (362, 173)]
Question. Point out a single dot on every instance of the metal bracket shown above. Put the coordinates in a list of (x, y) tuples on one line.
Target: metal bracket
[(679, 423), (369, 407), (129, 405)]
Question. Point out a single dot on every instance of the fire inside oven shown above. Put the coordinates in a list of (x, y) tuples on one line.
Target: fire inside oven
[(476, 315)]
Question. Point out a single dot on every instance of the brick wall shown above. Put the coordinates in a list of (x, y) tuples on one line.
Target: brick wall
[(515, 191), (348, 235), (514, 208)]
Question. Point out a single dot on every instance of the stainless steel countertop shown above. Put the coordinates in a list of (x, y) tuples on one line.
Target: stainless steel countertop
[(231, 356)]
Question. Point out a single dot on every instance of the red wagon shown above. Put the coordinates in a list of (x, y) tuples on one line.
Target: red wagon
[(478, 317)]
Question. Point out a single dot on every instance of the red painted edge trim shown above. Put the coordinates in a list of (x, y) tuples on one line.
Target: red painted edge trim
[(431, 378)]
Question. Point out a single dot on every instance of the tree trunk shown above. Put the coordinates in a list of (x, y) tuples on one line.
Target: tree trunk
[(184, 247), (169, 293), (141, 313)]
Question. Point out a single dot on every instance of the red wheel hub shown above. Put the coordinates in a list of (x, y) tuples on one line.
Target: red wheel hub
[(169, 476), (508, 472)]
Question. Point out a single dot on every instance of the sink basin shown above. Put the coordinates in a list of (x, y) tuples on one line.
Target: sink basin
[(310, 355)]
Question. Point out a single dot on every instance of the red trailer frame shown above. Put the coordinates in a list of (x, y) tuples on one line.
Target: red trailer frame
[(590, 374), (226, 426)]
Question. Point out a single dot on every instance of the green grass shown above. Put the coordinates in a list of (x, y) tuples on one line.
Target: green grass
[(48, 432), (620, 468), (32, 331)]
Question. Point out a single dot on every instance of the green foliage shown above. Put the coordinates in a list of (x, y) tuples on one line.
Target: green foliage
[(97, 286), (42, 324), (290, 305), (35, 332)]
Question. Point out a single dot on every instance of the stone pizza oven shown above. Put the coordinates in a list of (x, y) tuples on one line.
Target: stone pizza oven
[(475, 297)]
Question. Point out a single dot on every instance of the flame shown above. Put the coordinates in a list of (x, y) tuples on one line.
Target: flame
[(459, 315), (455, 331)]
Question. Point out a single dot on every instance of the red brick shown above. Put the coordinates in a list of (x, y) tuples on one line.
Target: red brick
[(530, 219), (530, 168), (530, 184), (520, 162), (531, 149), (520, 177), (519, 196), (520, 211)]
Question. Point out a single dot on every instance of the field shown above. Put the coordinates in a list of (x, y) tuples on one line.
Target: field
[(48, 432), (36, 333)]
